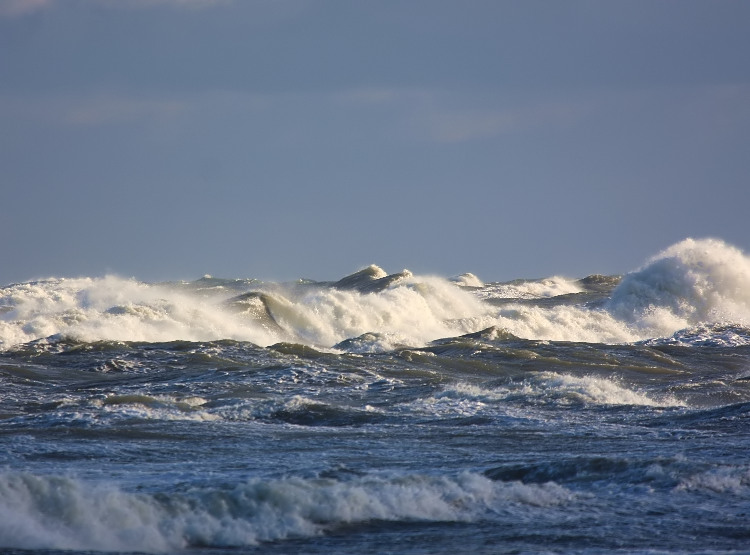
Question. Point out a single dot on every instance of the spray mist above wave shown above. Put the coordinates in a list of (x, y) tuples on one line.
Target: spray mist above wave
[(400, 308), (113, 308), (532, 289), (691, 283)]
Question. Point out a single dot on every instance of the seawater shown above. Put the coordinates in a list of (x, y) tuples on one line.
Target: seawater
[(381, 413)]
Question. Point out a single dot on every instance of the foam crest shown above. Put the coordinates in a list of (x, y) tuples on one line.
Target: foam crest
[(532, 289), (113, 308), (402, 308), (468, 280), (707, 335), (692, 282), (48, 512), (564, 323), (414, 311), (723, 480), (592, 390), (158, 407), (690, 285), (469, 400)]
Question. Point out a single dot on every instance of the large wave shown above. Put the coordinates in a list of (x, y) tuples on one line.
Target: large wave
[(697, 289), (401, 310), (692, 283)]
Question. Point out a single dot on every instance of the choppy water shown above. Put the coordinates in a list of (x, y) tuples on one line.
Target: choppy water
[(381, 413)]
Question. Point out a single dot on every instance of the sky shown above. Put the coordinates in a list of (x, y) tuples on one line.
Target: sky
[(285, 139)]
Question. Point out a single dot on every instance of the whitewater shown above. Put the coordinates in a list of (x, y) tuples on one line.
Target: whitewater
[(382, 411)]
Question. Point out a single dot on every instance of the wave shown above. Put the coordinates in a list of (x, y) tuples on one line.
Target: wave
[(399, 307), (706, 335), (692, 283), (468, 280), (117, 309), (723, 480), (532, 289), (542, 388), (58, 512)]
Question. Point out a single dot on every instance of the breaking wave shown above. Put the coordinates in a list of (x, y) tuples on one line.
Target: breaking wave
[(38, 512), (691, 284)]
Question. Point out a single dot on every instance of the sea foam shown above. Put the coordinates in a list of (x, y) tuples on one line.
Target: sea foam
[(403, 310), (114, 308), (692, 283), (38, 512)]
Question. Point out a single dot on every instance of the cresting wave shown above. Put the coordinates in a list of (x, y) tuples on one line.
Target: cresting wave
[(691, 284), (40, 512)]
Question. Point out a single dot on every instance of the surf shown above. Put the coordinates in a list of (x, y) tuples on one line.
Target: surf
[(693, 283)]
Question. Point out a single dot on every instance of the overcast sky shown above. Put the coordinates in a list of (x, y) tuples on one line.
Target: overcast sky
[(279, 139)]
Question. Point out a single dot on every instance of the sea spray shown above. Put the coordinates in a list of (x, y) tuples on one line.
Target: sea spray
[(410, 311), (41, 512), (695, 282), (690, 283)]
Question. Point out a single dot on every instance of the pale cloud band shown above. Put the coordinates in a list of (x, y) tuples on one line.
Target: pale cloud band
[(13, 8), (416, 115), (17, 8)]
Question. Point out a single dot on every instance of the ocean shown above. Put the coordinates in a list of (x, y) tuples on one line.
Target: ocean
[(381, 412)]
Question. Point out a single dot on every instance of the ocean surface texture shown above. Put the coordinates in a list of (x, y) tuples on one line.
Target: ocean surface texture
[(381, 413)]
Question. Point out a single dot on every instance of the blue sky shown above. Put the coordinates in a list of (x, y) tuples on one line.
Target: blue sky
[(278, 139)]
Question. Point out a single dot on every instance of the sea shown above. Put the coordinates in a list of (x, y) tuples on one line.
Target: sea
[(381, 412)]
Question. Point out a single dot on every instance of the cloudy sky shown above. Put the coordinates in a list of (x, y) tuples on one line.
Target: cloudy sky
[(167, 139)]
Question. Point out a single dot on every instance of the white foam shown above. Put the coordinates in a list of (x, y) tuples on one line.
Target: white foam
[(563, 323), (468, 280), (692, 282), (531, 289), (724, 480), (469, 400), (592, 390), (156, 407), (113, 308), (49, 512), (411, 311)]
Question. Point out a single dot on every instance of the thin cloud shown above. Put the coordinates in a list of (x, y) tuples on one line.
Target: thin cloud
[(91, 110), (457, 126), (189, 4), (18, 8), (108, 110)]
